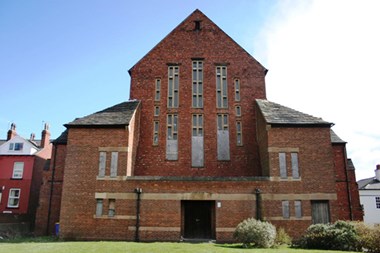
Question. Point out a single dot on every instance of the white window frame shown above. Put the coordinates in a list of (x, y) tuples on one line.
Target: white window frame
[(221, 87), (238, 111), (237, 90), (157, 92), (285, 209), (197, 98), (172, 127), (156, 128), (99, 208), (377, 201), (173, 86), (13, 197), (18, 170), (239, 133), (197, 124)]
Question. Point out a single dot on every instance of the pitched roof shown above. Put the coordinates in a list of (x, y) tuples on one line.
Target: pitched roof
[(276, 114), (211, 30), (62, 139), (369, 184), (117, 115), (335, 138)]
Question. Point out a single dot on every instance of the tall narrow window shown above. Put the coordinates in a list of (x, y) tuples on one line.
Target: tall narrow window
[(282, 163), (221, 87), (18, 170), (237, 90), (111, 207), (156, 111), (285, 209), (114, 158), (197, 84), (173, 87), (157, 94), (102, 164), (197, 148), (14, 198), (223, 138), (155, 132), (172, 137), (295, 169), (239, 134), (99, 207), (238, 111), (298, 208)]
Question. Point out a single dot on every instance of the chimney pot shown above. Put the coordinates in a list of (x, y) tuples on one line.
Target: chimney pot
[(11, 132), (377, 172)]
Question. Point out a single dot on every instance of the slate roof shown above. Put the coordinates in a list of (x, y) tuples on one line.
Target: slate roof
[(369, 184), (276, 114), (335, 138), (62, 139), (117, 115)]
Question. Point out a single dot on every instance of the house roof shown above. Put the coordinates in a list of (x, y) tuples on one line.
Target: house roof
[(62, 139), (117, 115), (335, 138), (276, 114), (369, 184)]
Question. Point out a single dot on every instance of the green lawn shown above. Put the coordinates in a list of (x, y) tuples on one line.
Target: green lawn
[(127, 247)]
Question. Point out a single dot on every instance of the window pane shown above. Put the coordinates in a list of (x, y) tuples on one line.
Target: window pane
[(285, 209), (282, 163), (295, 170)]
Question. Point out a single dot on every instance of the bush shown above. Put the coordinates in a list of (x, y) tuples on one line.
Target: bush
[(338, 236), (282, 237), (369, 236), (257, 233)]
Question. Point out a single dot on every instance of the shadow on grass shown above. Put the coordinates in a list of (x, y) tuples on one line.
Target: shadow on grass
[(39, 239), (233, 246)]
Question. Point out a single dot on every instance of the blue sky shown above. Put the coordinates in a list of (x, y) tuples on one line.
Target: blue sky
[(65, 59)]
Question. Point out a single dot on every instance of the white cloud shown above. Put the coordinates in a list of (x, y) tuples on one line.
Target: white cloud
[(323, 59)]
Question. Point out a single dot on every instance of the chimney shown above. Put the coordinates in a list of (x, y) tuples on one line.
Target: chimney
[(377, 172), (45, 136), (32, 136), (11, 132)]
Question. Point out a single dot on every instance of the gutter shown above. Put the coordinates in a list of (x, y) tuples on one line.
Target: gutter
[(138, 192)]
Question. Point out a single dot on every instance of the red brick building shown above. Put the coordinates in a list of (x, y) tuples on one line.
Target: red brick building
[(21, 164), (198, 149)]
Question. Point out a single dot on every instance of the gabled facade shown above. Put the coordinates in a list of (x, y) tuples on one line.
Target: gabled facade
[(198, 149), (369, 191), (21, 165)]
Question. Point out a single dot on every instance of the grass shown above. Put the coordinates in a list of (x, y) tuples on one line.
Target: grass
[(48, 245)]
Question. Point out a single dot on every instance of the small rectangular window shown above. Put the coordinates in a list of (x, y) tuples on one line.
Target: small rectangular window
[(173, 87), (239, 134), (11, 146), (111, 207), (114, 159), (156, 111), (197, 124), (377, 199), (14, 198), (172, 133), (221, 87), (156, 125), (102, 164), (19, 146), (99, 207), (285, 209), (18, 170), (298, 208), (282, 163), (197, 84), (237, 90), (238, 111), (157, 94), (295, 169)]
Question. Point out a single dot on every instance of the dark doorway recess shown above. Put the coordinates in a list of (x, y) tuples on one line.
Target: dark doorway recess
[(198, 219)]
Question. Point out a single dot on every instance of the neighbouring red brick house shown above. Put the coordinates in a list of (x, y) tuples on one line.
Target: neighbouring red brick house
[(198, 149), (21, 164)]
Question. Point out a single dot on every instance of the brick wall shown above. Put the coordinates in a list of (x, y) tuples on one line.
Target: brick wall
[(214, 47)]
